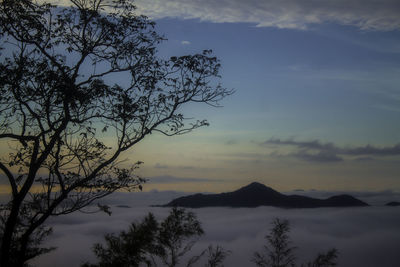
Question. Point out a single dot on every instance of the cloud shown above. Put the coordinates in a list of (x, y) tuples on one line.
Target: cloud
[(172, 179), (365, 237), (372, 151), (363, 159), (230, 142), (306, 145), (392, 108), (317, 151), (160, 166), (185, 43), (321, 156), (290, 14), (285, 14), (182, 167)]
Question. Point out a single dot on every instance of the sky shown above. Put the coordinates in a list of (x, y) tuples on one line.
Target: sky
[(317, 99), (316, 102)]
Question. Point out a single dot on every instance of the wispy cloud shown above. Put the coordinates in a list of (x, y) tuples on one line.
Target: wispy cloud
[(387, 107), (317, 151), (321, 156), (160, 166), (164, 166), (172, 179), (365, 14), (230, 142)]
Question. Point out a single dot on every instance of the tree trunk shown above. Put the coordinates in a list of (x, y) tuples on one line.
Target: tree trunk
[(8, 233)]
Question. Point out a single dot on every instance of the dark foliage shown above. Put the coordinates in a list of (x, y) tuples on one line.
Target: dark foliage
[(324, 260), (216, 256), (177, 234), (280, 253), (137, 245), (149, 242)]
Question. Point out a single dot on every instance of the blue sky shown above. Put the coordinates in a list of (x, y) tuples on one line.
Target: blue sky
[(286, 74)]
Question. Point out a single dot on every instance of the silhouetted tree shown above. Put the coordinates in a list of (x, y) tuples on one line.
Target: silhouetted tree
[(216, 256), (149, 240), (324, 260), (137, 245), (279, 252), (33, 248), (66, 121), (177, 234)]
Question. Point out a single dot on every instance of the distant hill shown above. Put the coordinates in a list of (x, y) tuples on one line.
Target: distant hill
[(393, 204), (256, 194)]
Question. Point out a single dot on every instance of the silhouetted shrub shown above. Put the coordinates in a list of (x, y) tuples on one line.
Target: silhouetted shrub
[(280, 253), (149, 242)]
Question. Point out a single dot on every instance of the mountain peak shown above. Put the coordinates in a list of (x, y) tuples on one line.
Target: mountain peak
[(254, 185)]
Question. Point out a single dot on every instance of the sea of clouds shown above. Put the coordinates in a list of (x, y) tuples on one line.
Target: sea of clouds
[(365, 236)]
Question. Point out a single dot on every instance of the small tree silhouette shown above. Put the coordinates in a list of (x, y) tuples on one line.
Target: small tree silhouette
[(216, 256), (168, 241), (324, 260), (130, 248), (177, 234), (280, 253)]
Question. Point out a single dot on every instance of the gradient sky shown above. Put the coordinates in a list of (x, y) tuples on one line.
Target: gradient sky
[(317, 102)]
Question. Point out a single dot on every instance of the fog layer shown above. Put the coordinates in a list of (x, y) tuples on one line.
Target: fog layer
[(368, 236)]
